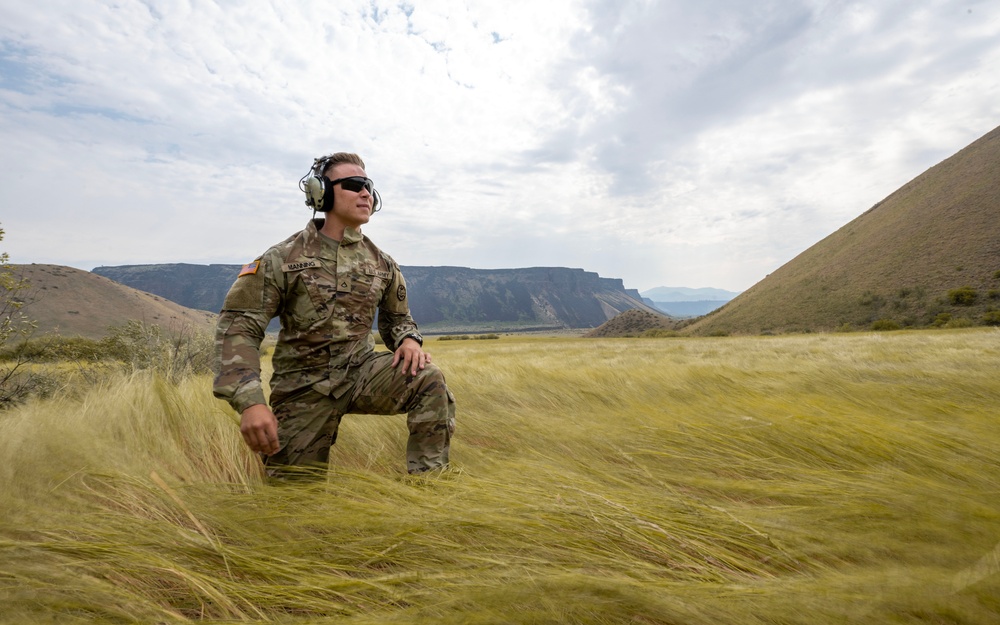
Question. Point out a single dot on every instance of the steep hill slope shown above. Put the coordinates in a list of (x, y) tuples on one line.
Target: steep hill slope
[(897, 261), (441, 298), (72, 302)]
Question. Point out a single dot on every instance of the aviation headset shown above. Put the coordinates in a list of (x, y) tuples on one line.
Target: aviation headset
[(319, 194)]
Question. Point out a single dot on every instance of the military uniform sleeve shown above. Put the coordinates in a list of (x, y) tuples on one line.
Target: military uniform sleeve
[(394, 320), (252, 301)]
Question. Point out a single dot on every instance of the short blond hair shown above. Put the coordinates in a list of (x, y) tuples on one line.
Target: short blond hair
[(338, 158)]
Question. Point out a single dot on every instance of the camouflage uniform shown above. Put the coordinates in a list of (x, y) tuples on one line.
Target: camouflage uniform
[(325, 364)]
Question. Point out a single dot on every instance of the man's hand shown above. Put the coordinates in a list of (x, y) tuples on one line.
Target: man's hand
[(259, 428), (411, 355)]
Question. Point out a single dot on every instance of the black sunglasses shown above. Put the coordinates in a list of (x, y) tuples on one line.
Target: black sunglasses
[(354, 184)]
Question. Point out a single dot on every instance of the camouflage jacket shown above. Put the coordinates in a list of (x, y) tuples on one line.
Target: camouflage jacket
[(325, 297)]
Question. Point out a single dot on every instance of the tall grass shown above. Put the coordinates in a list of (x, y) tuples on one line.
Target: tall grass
[(841, 478)]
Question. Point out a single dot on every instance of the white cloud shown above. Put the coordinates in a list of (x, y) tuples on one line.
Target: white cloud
[(663, 142)]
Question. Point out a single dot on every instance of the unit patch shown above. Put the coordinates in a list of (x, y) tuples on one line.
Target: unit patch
[(249, 269), (401, 293), (306, 264)]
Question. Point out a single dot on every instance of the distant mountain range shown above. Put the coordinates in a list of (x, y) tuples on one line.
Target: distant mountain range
[(685, 294), (442, 299), (679, 301)]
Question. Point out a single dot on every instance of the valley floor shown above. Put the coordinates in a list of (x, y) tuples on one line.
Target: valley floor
[(847, 478)]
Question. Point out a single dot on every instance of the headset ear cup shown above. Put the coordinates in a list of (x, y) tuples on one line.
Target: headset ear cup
[(315, 190)]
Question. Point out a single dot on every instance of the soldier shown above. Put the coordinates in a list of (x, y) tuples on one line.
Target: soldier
[(324, 284)]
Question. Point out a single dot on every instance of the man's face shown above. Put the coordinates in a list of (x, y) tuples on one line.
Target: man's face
[(351, 208)]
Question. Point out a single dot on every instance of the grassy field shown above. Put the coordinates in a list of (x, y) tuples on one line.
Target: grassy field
[(848, 478)]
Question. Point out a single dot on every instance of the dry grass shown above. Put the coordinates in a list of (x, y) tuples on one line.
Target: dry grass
[(815, 479)]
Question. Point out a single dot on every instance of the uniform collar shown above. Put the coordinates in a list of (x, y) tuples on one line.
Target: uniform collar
[(314, 243)]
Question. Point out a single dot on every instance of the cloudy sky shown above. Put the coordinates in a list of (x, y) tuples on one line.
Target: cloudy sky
[(698, 143)]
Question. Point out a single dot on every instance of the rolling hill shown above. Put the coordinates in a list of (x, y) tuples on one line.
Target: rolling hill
[(632, 323), (73, 302), (905, 262)]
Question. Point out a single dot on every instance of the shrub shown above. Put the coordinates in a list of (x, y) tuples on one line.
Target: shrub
[(845, 327), (992, 318), (963, 296), (993, 294), (869, 298), (882, 325), (941, 320), (659, 333), (141, 346), (959, 322), (996, 274), (56, 349), (16, 379)]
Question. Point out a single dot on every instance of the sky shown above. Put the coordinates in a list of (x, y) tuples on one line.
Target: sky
[(684, 143)]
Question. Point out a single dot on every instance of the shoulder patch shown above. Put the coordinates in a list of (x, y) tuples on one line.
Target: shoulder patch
[(247, 293), (249, 269), (299, 266), (401, 293)]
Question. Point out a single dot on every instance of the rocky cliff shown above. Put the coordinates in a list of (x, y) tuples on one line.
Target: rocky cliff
[(445, 299)]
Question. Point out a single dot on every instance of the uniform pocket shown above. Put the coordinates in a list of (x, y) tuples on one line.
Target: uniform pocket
[(312, 296)]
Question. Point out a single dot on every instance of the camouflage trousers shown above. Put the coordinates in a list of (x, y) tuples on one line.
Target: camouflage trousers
[(308, 420)]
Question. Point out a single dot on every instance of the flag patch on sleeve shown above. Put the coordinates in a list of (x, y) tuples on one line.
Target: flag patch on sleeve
[(249, 269)]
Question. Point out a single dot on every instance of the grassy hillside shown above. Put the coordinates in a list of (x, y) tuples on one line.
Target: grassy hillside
[(898, 261), (847, 478), (72, 302)]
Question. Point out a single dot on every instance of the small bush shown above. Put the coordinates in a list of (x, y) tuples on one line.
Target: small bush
[(868, 298), (996, 274), (845, 327), (141, 346), (883, 325), (28, 382), (992, 318), (959, 322), (56, 349), (963, 296), (941, 319), (718, 333), (659, 333), (993, 294)]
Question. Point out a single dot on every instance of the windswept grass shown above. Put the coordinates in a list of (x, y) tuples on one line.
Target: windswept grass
[(814, 479)]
